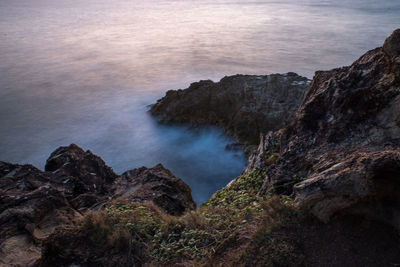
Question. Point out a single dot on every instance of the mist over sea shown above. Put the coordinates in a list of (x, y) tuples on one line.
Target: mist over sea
[(85, 71)]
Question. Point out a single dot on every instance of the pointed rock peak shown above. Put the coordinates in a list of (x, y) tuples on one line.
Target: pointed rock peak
[(63, 155), (74, 161), (392, 44)]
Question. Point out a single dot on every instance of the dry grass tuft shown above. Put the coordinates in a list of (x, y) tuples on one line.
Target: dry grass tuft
[(223, 231)]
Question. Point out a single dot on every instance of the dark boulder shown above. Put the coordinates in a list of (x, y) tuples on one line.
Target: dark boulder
[(88, 172), (244, 105), (158, 185)]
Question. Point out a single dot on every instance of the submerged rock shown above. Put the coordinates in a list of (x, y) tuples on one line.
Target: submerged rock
[(244, 105), (344, 141)]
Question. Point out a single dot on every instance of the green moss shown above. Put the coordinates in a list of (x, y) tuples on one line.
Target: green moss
[(241, 192)]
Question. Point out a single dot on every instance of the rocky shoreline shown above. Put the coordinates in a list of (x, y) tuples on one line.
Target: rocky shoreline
[(343, 141), (34, 203), (244, 105), (321, 189)]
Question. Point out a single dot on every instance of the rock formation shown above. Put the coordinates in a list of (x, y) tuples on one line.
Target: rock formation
[(344, 140), (33, 203), (157, 184), (266, 153), (244, 105), (340, 155)]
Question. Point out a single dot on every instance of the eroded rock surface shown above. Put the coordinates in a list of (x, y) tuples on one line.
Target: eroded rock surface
[(344, 141), (244, 105), (87, 172), (33, 203), (266, 152)]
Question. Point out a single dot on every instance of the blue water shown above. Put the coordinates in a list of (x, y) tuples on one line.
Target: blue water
[(85, 72)]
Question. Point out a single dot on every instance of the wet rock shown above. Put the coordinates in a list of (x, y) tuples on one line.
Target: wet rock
[(344, 140), (244, 105)]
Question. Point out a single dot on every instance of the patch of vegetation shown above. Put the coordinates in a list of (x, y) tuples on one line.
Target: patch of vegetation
[(236, 217), (241, 192)]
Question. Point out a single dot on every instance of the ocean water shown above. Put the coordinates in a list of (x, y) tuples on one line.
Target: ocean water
[(85, 71)]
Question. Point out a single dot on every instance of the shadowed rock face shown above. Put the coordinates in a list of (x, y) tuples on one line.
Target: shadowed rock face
[(157, 184), (89, 170), (268, 146), (344, 140), (33, 203), (244, 105)]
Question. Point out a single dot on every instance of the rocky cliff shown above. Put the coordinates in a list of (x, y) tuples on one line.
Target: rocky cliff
[(33, 203), (340, 153), (244, 105), (321, 191)]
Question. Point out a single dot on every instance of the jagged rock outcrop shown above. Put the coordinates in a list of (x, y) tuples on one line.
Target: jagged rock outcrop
[(86, 180), (344, 140), (244, 105), (157, 184), (266, 153), (34, 202), (86, 171), (31, 207)]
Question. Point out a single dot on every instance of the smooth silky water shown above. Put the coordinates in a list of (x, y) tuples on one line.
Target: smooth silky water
[(85, 71)]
